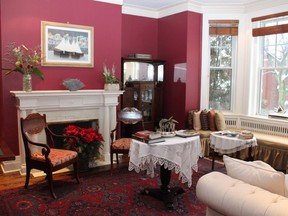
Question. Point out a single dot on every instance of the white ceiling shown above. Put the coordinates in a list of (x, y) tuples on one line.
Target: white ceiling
[(160, 4)]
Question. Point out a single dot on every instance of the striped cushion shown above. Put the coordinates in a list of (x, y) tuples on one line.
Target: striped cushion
[(190, 120), (57, 156), (122, 143), (204, 119)]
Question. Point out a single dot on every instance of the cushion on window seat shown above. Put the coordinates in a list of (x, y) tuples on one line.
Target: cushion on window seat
[(272, 150)]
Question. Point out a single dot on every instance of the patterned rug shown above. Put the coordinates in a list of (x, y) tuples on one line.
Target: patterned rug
[(104, 194)]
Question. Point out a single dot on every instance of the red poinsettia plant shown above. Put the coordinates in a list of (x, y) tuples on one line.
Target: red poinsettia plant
[(89, 140)]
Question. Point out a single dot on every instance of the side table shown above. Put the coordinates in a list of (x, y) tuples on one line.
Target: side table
[(227, 144)]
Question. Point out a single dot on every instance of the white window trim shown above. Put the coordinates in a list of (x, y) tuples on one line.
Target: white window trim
[(236, 106)]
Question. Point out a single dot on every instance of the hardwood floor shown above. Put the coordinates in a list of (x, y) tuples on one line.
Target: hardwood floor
[(14, 180)]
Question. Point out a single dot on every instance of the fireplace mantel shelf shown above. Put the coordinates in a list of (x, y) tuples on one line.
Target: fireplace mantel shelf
[(64, 92), (51, 99)]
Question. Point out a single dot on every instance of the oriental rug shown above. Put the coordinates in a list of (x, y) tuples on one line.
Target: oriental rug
[(104, 194)]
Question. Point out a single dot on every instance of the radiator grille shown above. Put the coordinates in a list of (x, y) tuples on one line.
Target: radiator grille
[(265, 128), (277, 128)]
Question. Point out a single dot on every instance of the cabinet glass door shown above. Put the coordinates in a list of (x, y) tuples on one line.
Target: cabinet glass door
[(137, 71), (146, 103)]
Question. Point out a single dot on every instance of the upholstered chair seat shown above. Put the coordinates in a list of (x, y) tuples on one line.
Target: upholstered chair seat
[(56, 156), (122, 143)]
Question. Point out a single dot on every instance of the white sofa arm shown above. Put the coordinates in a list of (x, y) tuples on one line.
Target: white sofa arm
[(229, 196)]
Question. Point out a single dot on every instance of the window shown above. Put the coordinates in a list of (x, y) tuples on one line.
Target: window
[(223, 34), (272, 39)]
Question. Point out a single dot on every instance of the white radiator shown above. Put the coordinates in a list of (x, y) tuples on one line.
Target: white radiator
[(264, 125)]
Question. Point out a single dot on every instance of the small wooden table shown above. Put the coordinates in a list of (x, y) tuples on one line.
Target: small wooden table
[(226, 145), (176, 153)]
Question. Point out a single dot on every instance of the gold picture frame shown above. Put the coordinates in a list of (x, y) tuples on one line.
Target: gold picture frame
[(67, 45)]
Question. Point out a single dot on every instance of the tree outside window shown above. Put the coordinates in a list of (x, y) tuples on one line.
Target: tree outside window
[(220, 85)]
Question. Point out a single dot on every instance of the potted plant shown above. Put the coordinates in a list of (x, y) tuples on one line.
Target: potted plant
[(25, 61), (111, 82), (89, 141), (167, 126)]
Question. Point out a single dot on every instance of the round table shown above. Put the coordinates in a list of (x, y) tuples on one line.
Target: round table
[(224, 143), (176, 153)]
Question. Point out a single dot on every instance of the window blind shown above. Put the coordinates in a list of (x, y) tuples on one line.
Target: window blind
[(270, 24), (223, 27)]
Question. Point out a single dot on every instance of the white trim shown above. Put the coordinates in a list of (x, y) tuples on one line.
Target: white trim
[(144, 12), (173, 10), (118, 2), (199, 7), (190, 6), (223, 8), (239, 58), (267, 6)]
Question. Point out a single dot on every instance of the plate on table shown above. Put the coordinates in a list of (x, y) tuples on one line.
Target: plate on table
[(168, 134), (186, 133), (227, 133)]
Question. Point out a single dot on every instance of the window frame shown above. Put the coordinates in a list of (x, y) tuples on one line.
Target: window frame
[(259, 42)]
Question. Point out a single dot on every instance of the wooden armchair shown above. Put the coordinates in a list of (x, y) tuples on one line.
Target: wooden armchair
[(43, 156)]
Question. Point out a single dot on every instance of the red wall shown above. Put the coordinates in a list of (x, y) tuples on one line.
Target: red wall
[(194, 53), (181, 43), (21, 23), (139, 35), (176, 39), (1, 96)]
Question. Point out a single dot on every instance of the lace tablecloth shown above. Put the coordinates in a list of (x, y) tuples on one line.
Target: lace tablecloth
[(180, 154), (227, 145)]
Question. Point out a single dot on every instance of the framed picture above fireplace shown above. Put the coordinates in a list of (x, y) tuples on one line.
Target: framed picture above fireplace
[(67, 45)]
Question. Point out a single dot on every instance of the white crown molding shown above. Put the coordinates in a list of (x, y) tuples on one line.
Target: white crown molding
[(137, 11), (187, 6), (167, 11), (267, 5), (118, 2), (223, 8), (197, 6)]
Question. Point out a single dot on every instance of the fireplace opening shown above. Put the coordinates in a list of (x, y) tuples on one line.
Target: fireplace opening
[(58, 128)]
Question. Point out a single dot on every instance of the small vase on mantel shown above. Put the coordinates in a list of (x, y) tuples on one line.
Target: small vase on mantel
[(27, 83), (111, 86)]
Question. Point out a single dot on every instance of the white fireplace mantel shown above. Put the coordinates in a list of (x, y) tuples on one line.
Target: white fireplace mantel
[(64, 105)]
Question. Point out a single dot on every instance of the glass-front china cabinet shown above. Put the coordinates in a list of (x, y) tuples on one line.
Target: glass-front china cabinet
[(142, 81)]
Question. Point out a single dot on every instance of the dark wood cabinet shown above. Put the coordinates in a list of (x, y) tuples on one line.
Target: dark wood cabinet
[(143, 84)]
